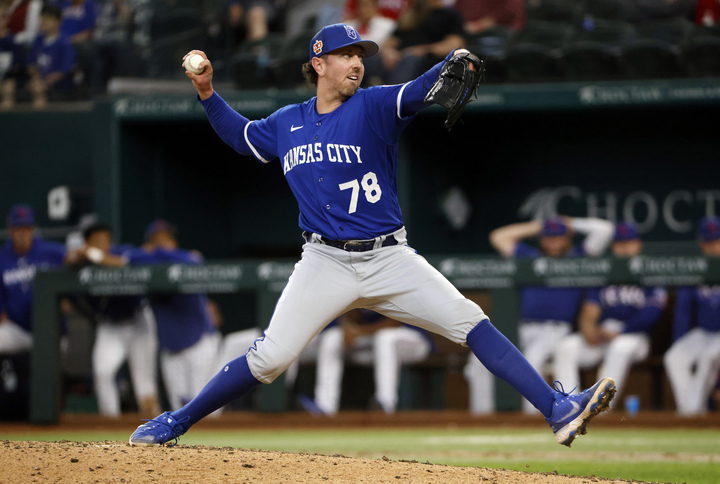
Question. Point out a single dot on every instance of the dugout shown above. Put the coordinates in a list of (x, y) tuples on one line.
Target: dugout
[(641, 150)]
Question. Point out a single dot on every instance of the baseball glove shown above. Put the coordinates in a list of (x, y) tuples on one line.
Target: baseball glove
[(456, 84)]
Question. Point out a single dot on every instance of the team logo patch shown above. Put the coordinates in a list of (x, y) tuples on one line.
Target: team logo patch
[(352, 33), (317, 47)]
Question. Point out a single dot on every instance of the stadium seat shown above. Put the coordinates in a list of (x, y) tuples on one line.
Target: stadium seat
[(673, 31), (554, 35), (706, 31), (584, 61), (568, 11), (251, 64), (176, 21), (613, 33), (701, 56), (532, 63), (604, 9), (651, 59), (491, 42), (293, 53), (492, 45)]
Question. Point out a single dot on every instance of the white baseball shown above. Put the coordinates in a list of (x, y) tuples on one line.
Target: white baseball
[(192, 63)]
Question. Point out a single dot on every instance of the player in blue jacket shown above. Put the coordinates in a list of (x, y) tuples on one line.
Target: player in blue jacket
[(187, 339), (22, 256), (693, 361), (338, 152), (614, 323)]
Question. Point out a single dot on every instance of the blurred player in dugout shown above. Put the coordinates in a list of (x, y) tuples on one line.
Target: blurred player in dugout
[(189, 341), (366, 338), (693, 361), (547, 313), (614, 324), (125, 331)]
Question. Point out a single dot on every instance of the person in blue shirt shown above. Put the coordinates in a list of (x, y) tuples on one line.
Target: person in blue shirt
[(188, 340), (614, 323), (50, 60), (338, 153), (693, 361), (125, 331), (23, 255), (547, 313), (78, 20)]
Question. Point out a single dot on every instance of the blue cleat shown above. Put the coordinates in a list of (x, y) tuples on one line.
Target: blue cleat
[(158, 431), (571, 413)]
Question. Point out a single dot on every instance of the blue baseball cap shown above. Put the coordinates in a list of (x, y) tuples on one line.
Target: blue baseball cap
[(157, 226), (709, 229), (554, 227), (336, 36), (625, 231), (21, 215)]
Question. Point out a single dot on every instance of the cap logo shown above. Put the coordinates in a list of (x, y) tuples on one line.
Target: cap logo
[(317, 47), (352, 33)]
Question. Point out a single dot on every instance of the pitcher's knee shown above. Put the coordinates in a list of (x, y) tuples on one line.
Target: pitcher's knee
[(267, 367)]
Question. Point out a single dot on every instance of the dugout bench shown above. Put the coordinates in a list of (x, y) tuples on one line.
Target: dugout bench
[(496, 277)]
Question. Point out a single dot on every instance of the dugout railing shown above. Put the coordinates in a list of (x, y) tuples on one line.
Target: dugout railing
[(501, 278)]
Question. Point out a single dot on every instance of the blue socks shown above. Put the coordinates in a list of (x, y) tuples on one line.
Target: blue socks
[(232, 382), (504, 360)]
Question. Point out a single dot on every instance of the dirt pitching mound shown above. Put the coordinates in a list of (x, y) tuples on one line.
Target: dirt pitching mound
[(65, 461)]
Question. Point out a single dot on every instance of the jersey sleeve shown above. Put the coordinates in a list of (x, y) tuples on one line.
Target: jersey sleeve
[(234, 129), (391, 108), (593, 296), (523, 250)]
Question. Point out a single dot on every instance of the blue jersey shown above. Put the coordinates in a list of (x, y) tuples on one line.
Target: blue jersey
[(18, 277), (77, 18), (549, 303), (181, 319), (696, 306), (341, 166), (639, 308), (57, 55)]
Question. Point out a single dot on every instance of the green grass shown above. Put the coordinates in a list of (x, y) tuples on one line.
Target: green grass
[(691, 456)]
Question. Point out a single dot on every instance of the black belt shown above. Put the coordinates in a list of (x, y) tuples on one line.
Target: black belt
[(355, 245)]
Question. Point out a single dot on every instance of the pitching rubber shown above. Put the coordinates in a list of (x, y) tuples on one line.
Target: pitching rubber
[(599, 402)]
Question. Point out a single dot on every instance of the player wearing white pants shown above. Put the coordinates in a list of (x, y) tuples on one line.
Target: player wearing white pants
[(338, 152), (481, 386), (692, 364), (615, 357), (614, 324), (135, 340), (547, 313), (693, 360), (13, 338), (186, 372), (386, 349)]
